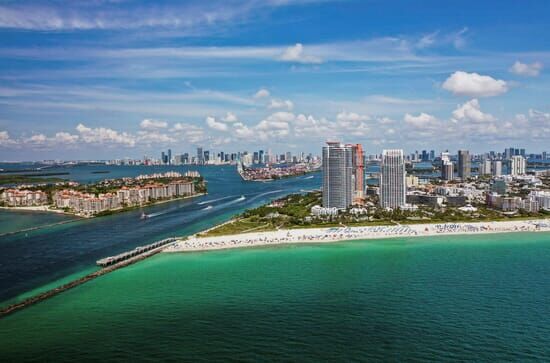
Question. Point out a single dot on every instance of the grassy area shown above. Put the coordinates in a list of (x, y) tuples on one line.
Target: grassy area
[(25, 179), (240, 226)]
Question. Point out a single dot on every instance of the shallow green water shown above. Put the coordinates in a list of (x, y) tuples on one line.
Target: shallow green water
[(17, 220), (484, 298)]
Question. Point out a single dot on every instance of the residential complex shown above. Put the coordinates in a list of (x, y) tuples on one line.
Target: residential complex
[(23, 198), (517, 165), (447, 167), (88, 204), (392, 179), (107, 195), (464, 164), (358, 172), (338, 187)]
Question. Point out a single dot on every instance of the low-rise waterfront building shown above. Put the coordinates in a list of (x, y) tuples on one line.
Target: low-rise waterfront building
[(542, 198), (23, 197), (319, 211)]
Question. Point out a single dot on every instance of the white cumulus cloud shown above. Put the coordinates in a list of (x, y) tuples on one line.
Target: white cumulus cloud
[(215, 125), (149, 124), (295, 53), (262, 93), (66, 138), (5, 139), (422, 121), (351, 117), (275, 103), (230, 117), (471, 111), (529, 70), (474, 85), (103, 135)]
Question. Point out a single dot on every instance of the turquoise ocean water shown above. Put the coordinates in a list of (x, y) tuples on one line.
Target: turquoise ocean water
[(474, 298), (454, 298)]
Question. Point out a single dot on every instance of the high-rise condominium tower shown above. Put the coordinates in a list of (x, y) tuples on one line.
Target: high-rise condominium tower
[(496, 168), (358, 172), (464, 164), (392, 179), (447, 167), (485, 167), (517, 165), (337, 175)]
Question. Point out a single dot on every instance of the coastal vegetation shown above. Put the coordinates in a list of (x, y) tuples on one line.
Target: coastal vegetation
[(294, 211), (26, 179)]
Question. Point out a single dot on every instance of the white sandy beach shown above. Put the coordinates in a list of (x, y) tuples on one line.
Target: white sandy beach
[(37, 208), (335, 234)]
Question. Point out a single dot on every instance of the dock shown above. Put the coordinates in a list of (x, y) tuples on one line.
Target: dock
[(108, 261)]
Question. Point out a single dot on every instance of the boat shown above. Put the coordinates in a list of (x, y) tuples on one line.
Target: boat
[(143, 216)]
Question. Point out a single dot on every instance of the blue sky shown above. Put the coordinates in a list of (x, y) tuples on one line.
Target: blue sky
[(110, 79)]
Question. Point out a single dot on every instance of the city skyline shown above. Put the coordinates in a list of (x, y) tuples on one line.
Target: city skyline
[(123, 79)]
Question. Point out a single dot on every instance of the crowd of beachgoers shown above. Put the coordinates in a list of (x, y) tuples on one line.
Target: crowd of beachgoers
[(334, 234)]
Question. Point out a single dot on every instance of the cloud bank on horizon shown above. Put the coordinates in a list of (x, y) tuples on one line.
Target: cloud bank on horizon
[(108, 79)]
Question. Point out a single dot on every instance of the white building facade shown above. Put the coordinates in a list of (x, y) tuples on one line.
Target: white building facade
[(337, 176), (392, 179)]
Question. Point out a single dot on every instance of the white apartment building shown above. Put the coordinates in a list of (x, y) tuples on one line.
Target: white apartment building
[(23, 198), (392, 179), (517, 165)]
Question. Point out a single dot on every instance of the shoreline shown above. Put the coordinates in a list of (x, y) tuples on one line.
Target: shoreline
[(46, 208), (39, 208), (339, 234)]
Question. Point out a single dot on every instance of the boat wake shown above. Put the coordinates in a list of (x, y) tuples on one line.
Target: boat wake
[(309, 177), (223, 205), (266, 193), (215, 200)]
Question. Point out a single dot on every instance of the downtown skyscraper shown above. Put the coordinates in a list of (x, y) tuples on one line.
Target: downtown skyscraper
[(393, 190), (337, 175)]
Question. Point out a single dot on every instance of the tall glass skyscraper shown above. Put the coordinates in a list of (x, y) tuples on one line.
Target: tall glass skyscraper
[(200, 156), (337, 175), (393, 192), (464, 164)]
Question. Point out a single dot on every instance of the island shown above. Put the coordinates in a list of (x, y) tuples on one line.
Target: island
[(273, 172), (104, 197)]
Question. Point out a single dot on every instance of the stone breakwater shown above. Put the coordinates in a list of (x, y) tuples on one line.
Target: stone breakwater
[(55, 291), (320, 235)]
